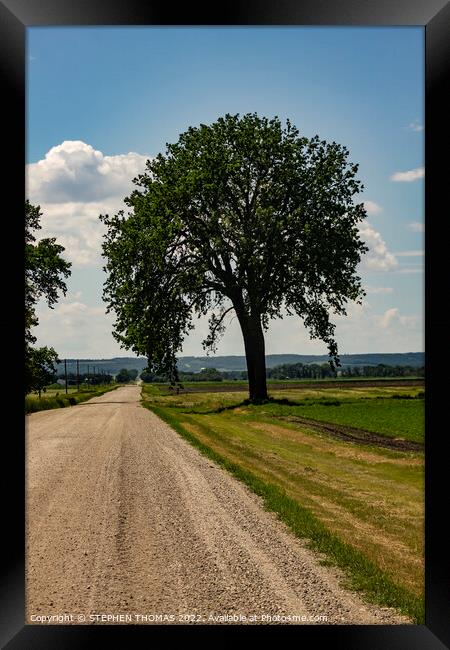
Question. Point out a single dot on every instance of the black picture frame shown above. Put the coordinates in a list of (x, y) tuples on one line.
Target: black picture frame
[(434, 16)]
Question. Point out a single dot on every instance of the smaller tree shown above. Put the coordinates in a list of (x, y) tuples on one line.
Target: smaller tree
[(45, 271), (40, 364), (209, 374), (123, 377)]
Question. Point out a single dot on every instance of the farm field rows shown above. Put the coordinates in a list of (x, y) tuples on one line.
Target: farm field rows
[(362, 505)]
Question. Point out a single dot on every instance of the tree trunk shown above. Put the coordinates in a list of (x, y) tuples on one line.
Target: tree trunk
[(255, 355)]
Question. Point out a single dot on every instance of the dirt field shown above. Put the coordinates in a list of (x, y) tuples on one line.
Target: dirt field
[(358, 436)]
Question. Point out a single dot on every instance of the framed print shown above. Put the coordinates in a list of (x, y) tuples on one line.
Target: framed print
[(273, 157)]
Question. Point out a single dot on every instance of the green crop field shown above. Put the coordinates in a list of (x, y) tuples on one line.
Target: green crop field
[(396, 413), (362, 506)]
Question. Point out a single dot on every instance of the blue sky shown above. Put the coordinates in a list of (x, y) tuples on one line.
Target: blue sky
[(102, 100)]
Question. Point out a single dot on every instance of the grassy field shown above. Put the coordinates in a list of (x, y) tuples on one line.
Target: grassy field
[(396, 413), (53, 398), (360, 505)]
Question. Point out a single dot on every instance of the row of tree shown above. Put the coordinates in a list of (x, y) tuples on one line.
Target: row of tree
[(206, 374), (323, 371), (382, 370), (302, 371), (91, 379), (292, 371), (94, 379)]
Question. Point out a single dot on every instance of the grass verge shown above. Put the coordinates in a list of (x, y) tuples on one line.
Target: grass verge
[(362, 574), (34, 404)]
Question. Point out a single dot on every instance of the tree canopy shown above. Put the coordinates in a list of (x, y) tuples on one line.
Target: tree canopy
[(44, 273), (242, 215), (40, 368)]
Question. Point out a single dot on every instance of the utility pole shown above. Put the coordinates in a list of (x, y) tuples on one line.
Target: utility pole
[(65, 372), (78, 375)]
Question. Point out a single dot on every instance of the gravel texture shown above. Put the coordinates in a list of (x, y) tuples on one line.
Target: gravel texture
[(126, 519)]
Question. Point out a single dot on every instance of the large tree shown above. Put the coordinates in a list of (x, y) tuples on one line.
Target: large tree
[(45, 271), (243, 215)]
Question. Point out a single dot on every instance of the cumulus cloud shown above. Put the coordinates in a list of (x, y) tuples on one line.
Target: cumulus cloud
[(409, 176), (378, 258), (76, 329), (416, 226), (76, 172), (364, 330), (74, 184), (77, 227), (372, 208), (392, 317)]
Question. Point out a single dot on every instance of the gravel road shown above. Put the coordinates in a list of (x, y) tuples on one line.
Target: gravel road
[(126, 519)]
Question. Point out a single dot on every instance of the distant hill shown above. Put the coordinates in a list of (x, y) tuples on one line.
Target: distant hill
[(228, 363), (195, 364)]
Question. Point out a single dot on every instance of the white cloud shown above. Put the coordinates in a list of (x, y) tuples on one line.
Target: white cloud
[(362, 330), (409, 176), (74, 184), (416, 126), (389, 316), (420, 253), (393, 318), (416, 226), (76, 172), (75, 329), (77, 227), (378, 290), (372, 208), (378, 258)]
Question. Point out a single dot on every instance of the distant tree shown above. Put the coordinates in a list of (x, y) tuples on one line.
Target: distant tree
[(244, 215), (44, 273), (210, 374), (133, 373), (150, 377), (124, 376)]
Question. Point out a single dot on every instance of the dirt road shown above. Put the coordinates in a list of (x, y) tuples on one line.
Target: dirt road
[(126, 519)]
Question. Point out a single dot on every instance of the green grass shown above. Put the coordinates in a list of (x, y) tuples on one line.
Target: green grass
[(360, 506), (51, 400), (395, 418)]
